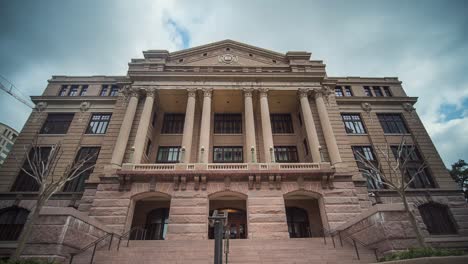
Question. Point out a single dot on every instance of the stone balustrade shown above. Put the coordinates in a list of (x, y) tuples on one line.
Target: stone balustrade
[(225, 166)]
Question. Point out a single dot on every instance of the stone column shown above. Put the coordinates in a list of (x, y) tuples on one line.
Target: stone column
[(188, 126), (124, 133), (266, 127), (249, 127), (311, 131), (330, 139), (140, 139), (204, 148)]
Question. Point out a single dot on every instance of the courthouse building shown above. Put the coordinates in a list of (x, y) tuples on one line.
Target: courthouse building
[(268, 137)]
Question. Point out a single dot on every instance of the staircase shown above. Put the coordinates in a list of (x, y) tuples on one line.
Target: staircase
[(298, 250)]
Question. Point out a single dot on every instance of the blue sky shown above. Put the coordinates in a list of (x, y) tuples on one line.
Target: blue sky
[(423, 42)]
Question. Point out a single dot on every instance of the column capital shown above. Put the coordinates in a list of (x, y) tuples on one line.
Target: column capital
[(263, 92), (151, 92), (207, 92), (192, 92), (303, 92), (134, 92), (248, 92), (324, 91)]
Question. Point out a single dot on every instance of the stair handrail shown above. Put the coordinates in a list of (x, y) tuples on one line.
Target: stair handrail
[(129, 233), (94, 243), (354, 240)]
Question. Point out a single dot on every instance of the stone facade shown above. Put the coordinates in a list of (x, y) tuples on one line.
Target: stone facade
[(228, 77)]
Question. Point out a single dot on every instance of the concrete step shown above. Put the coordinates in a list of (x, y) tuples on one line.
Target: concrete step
[(309, 250)]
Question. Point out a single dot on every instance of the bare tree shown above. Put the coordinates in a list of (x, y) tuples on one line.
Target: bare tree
[(397, 178), (40, 165)]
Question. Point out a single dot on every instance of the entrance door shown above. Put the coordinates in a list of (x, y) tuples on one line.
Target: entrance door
[(156, 224), (298, 222), (237, 224)]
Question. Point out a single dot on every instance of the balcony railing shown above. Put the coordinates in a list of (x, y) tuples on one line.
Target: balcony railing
[(225, 167)]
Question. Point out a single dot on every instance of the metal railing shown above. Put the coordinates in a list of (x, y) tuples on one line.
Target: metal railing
[(354, 242), (96, 243)]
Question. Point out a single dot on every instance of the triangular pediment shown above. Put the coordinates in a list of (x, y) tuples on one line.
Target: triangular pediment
[(227, 53)]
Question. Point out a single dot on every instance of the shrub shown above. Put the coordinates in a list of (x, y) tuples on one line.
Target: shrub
[(422, 252)]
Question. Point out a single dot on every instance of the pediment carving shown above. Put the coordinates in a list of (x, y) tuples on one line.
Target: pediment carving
[(227, 54)]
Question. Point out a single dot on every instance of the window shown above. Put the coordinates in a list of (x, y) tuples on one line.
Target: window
[(148, 148), (437, 219), (338, 91), (12, 221), (104, 90), (168, 155), (63, 90), (57, 124), (84, 90), (98, 124), (227, 155), (367, 91), (374, 181), (24, 182), (348, 91), (387, 91), (286, 154), (377, 91), (414, 167), (353, 124), (73, 90), (306, 146), (173, 124), (85, 153), (281, 124), (228, 123), (392, 123), (114, 90)]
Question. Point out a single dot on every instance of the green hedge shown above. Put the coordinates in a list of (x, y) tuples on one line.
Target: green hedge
[(422, 252)]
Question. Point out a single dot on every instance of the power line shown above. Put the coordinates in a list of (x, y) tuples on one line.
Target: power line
[(14, 92)]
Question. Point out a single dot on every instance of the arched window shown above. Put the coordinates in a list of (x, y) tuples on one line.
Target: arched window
[(156, 224), (437, 219), (12, 220)]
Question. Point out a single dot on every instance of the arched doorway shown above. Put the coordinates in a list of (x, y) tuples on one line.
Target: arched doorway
[(150, 217), (235, 204), (12, 221), (304, 214)]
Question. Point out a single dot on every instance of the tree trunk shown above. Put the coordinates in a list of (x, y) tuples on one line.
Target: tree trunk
[(413, 221), (28, 227)]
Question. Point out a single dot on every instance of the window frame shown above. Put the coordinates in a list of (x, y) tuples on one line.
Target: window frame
[(348, 91), (63, 90), (77, 185), (74, 90), (99, 124), (369, 154), (171, 149), (387, 92), (84, 90), (224, 150), (368, 91), (104, 90), (23, 182), (339, 91), (227, 123), (359, 123), (377, 91), (54, 122), (290, 151), (281, 123), (388, 126), (177, 125), (114, 90)]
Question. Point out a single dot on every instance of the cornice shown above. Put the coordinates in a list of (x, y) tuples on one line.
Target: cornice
[(375, 100), (73, 99)]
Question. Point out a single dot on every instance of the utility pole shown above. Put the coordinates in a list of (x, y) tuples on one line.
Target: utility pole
[(218, 221)]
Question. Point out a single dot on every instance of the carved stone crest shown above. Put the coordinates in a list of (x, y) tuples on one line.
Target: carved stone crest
[(408, 107), (367, 107), (228, 58), (84, 106)]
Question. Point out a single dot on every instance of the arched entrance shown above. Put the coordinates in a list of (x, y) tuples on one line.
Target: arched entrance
[(150, 217), (235, 205), (304, 214)]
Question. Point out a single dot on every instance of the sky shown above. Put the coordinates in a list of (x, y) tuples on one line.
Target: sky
[(424, 43)]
